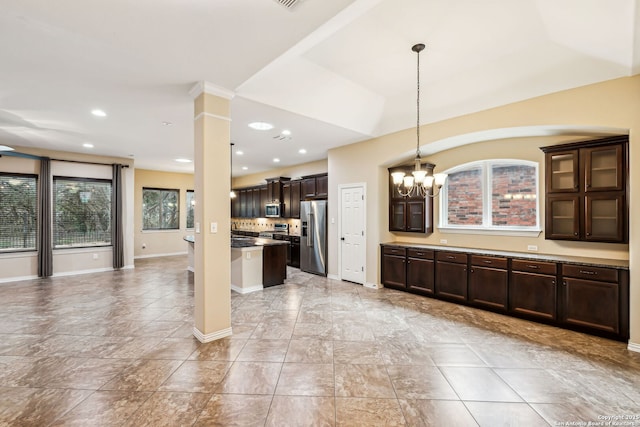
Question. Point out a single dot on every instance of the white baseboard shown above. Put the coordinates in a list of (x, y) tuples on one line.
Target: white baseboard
[(17, 279), (78, 272), (372, 285), (247, 290), (633, 347), (212, 336), (159, 255), (333, 277)]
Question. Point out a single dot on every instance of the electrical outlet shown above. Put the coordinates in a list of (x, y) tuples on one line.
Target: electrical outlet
[(95, 256), (214, 227), (144, 246), (443, 241), (532, 248)]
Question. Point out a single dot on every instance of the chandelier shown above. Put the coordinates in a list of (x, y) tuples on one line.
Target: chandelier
[(420, 183)]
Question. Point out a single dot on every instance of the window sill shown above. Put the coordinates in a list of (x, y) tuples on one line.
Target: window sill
[(491, 231)]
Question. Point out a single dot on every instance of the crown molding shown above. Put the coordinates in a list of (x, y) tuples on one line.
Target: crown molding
[(211, 89)]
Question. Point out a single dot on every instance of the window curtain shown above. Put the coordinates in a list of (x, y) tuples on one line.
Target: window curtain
[(117, 235), (45, 251)]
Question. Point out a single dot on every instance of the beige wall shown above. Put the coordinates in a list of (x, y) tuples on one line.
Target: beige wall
[(292, 172), (612, 104), (23, 265), (159, 243)]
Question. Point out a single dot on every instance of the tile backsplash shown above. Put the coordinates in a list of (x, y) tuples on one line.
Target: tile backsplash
[(264, 224)]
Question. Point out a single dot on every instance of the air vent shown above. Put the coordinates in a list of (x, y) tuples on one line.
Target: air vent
[(288, 3)]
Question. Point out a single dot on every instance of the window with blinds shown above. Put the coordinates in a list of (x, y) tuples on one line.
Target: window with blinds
[(18, 212), (81, 212)]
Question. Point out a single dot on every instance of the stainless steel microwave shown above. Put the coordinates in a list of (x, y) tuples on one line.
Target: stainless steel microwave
[(272, 210)]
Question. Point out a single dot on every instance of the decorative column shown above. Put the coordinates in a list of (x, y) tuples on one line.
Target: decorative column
[(212, 250)]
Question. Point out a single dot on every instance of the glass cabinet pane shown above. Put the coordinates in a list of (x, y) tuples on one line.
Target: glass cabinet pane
[(564, 217), (603, 218), (603, 169), (415, 216), (564, 171), (396, 217)]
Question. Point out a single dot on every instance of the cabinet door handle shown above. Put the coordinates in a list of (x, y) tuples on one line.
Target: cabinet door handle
[(575, 234), (486, 261), (419, 253), (588, 272), (450, 257), (588, 234), (535, 267), (553, 282), (472, 270)]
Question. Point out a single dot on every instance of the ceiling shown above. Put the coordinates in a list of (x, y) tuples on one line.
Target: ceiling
[(331, 72)]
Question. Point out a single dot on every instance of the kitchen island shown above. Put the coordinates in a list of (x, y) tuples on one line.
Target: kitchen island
[(256, 262)]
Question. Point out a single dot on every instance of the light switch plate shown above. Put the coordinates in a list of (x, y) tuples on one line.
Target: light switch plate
[(197, 227)]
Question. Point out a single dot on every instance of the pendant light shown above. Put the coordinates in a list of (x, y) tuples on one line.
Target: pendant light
[(420, 183)]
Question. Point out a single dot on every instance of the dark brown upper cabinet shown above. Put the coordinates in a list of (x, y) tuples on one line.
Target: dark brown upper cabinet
[(314, 186), (291, 199), (406, 213), (586, 190)]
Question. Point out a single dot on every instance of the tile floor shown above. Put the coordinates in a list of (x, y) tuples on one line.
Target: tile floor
[(116, 349)]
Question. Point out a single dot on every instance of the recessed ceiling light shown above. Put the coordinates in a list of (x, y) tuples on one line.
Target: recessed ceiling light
[(261, 126), (183, 160), (87, 145), (239, 152), (276, 160), (167, 124), (98, 113), (244, 168), (302, 151), (286, 132)]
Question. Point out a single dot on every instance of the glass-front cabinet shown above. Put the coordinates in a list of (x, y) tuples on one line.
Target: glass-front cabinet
[(586, 191), (562, 171)]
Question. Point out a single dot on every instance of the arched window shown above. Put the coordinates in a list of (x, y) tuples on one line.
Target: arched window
[(497, 196)]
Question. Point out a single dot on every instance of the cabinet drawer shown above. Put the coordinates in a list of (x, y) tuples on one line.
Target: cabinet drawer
[(420, 253), (592, 273), (534, 266), (394, 250), (488, 261), (455, 257)]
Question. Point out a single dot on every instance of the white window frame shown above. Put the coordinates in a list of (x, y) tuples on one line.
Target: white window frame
[(486, 167)]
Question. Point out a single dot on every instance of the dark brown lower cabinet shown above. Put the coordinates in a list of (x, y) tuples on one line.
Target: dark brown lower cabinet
[(274, 265), (420, 270), (451, 275), (533, 295), (394, 268), (591, 297), (488, 282), (533, 289), (587, 298)]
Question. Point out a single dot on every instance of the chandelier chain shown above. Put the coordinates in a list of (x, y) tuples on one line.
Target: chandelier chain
[(418, 107)]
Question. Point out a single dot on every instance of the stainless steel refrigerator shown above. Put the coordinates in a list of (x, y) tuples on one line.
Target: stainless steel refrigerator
[(313, 242)]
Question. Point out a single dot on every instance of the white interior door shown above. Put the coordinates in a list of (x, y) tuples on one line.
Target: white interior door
[(352, 233)]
